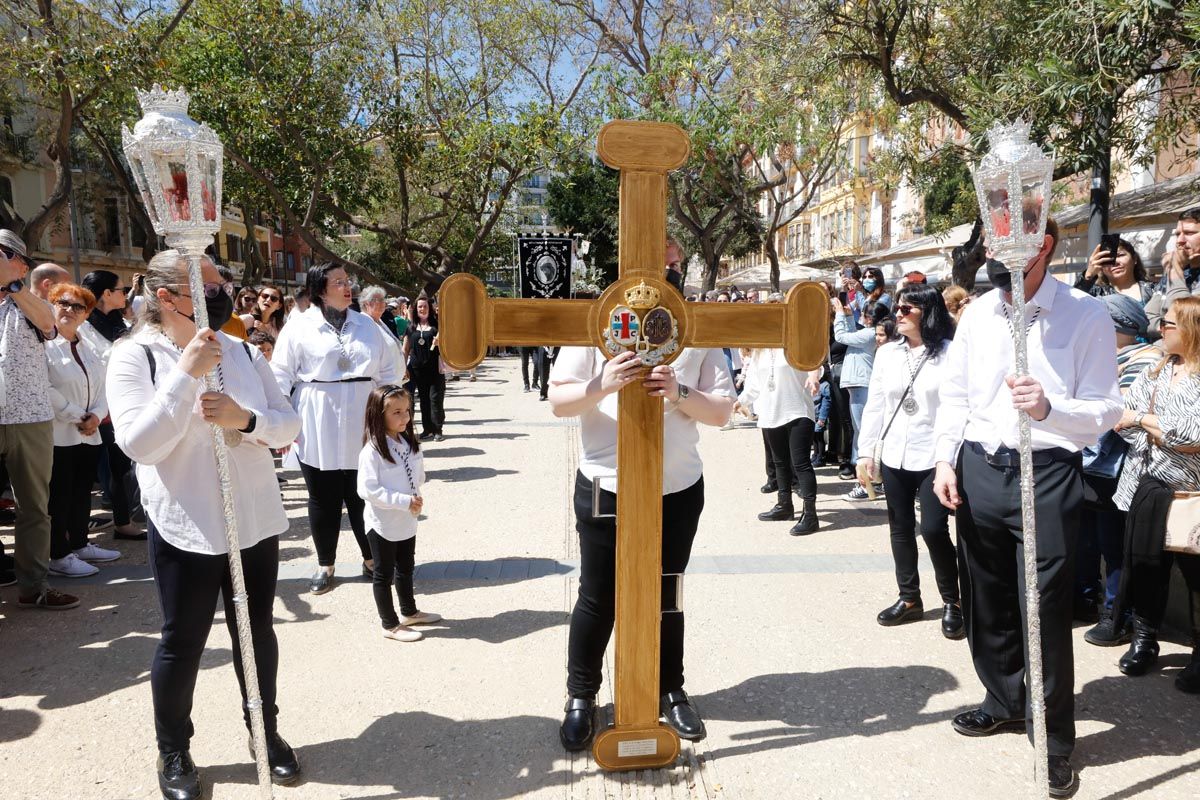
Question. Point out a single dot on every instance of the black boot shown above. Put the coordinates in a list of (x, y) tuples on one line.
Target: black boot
[(769, 487), (1143, 649), (783, 509), (680, 715), (177, 776), (578, 726), (285, 767), (808, 519), (1188, 680)]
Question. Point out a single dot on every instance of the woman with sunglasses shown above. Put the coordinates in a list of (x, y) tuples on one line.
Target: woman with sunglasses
[(161, 415), (328, 359), (77, 395), (267, 312), (901, 404)]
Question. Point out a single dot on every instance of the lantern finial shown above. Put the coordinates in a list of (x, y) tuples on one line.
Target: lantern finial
[(164, 101)]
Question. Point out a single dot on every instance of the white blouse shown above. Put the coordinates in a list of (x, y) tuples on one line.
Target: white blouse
[(775, 390), (909, 442), (76, 389), (705, 370), (331, 408), (158, 425), (388, 489)]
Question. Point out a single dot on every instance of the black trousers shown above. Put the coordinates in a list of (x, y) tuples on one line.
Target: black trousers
[(122, 482), (394, 562), (188, 585), (993, 578), (768, 458), (71, 480), (791, 449), (841, 425), (431, 393), (902, 488), (328, 491), (592, 618), (543, 362), (526, 354)]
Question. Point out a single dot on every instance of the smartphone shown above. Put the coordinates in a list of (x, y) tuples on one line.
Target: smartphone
[(1110, 242), (843, 298)]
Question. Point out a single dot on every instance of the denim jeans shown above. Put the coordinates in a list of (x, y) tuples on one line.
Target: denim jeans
[(858, 401)]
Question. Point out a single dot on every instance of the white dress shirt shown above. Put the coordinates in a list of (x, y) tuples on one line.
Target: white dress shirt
[(775, 390), (909, 442), (388, 489), (331, 409), (1072, 353), (394, 345), (158, 425), (704, 370), (75, 390)]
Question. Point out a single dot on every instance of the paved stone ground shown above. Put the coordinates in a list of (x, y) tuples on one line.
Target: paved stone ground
[(805, 696)]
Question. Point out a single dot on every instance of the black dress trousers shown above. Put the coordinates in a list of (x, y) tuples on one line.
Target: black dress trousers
[(992, 570)]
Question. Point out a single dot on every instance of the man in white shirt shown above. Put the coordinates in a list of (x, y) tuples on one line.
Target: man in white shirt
[(1071, 395)]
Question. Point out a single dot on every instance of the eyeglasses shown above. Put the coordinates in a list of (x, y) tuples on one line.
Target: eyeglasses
[(74, 308), (274, 298), (211, 290), (905, 309), (341, 283), (1168, 324), (10, 254)]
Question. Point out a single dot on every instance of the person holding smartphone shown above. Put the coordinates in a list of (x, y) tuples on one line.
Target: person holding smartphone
[(1115, 267)]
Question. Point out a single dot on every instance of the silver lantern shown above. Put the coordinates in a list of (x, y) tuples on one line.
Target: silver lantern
[(1013, 183), (177, 164)]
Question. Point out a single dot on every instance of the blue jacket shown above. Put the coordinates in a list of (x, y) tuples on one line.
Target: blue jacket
[(860, 351), (824, 401)]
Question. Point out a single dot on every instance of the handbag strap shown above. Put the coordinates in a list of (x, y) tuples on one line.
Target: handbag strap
[(907, 389)]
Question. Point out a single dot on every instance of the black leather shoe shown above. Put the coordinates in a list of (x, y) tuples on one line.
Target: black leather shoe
[(320, 583), (808, 522), (1143, 649), (781, 511), (177, 776), (677, 710), (770, 487), (900, 613), (952, 621), (981, 723), (1188, 679), (579, 724), (1107, 633), (285, 767), (1063, 781)]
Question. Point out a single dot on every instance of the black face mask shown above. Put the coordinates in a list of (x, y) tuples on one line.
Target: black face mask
[(220, 310), (675, 278), (999, 275)]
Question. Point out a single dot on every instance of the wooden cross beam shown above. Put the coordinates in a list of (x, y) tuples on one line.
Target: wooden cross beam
[(644, 152)]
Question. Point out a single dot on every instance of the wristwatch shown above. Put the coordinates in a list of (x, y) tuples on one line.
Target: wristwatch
[(15, 286), (684, 391), (1137, 421)]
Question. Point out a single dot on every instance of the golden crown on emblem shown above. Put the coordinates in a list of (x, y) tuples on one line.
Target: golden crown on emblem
[(642, 296)]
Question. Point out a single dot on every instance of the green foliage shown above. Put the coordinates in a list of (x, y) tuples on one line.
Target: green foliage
[(584, 200)]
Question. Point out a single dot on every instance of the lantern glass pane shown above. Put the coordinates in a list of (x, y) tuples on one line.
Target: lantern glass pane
[(173, 178), (208, 184), (1033, 198), (998, 211), (139, 176)]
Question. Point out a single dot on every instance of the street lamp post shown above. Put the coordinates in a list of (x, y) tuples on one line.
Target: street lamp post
[(178, 166), (1012, 183)]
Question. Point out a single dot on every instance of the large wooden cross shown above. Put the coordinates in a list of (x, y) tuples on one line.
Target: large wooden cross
[(644, 152)]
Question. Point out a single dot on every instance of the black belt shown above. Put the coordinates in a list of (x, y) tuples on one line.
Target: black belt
[(344, 380), (1011, 459)]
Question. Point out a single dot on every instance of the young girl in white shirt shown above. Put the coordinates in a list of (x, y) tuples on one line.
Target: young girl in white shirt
[(390, 473)]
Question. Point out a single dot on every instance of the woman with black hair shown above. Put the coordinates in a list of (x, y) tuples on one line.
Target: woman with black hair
[(897, 424), (1119, 273), (267, 312), (874, 292), (328, 359), (423, 357)]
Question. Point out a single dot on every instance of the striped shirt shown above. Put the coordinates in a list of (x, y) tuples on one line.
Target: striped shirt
[(1175, 407), (1133, 360)]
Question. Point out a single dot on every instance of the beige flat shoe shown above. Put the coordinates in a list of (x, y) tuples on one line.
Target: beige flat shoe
[(421, 618), (400, 633)]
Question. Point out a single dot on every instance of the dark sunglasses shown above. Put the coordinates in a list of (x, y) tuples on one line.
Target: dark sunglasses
[(10, 254), (905, 310), (211, 290), (75, 308), (273, 297), (1167, 324)]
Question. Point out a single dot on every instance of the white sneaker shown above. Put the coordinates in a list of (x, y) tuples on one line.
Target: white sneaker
[(403, 634), (421, 618), (69, 566), (856, 494), (91, 552)]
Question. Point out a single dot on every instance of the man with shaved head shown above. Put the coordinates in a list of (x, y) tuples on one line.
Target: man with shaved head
[(43, 277)]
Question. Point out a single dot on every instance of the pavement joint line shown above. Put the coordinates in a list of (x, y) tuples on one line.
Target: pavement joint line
[(511, 570)]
